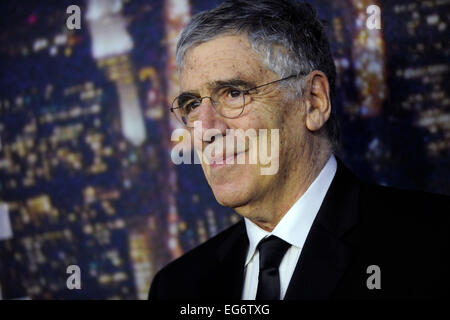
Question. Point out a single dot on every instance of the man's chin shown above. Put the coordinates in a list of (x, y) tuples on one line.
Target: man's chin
[(231, 199)]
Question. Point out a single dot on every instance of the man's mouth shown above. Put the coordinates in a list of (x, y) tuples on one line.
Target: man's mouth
[(225, 160)]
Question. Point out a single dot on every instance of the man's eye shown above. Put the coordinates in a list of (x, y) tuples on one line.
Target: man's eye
[(190, 106), (234, 93), (229, 93)]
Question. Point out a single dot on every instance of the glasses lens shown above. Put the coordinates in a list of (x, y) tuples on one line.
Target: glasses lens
[(230, 101), (185, 108)]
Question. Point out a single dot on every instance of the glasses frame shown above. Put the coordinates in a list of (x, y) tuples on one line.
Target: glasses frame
[(244, 93)]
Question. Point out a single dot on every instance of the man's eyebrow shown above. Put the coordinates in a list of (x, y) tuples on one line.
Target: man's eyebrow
[(220, 83), (232, 82), (188, 93)]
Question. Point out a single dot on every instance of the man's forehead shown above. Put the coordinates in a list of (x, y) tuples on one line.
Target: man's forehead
[(220, 50), (229, 43), (221, 59)]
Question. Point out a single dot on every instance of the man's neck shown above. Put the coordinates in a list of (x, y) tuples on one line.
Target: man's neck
[(268, 212)]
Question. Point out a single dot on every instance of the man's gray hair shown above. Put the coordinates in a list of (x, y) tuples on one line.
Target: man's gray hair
[(289, 36)]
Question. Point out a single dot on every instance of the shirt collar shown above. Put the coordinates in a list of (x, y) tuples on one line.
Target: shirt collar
[(295, 224)]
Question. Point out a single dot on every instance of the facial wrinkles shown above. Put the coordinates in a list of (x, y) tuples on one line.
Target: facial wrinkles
[(266, 108), (263, 103), (216, 60)]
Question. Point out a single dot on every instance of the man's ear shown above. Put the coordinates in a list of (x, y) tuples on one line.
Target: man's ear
[(318, 105)]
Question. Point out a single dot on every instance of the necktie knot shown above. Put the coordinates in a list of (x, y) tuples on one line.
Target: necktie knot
[(271, 252)]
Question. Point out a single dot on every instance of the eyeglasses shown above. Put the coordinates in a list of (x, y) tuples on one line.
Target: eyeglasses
[(227, 100)]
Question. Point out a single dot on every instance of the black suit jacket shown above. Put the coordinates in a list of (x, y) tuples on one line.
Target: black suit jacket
[(404, 233)]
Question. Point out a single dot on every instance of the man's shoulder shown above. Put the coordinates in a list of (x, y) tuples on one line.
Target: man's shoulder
[(205, 254), (389, 199), (405, 217), (190, 275), (389, 206), (404, 202)]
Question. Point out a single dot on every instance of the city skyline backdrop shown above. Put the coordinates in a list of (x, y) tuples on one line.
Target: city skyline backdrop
[(85, 171)]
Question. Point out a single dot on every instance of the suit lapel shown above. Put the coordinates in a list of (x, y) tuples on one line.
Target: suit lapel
[(321, 264), (325, 257), (231, 259)]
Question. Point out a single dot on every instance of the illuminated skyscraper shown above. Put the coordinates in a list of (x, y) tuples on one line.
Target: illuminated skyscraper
[(369, 57), (111, 44)]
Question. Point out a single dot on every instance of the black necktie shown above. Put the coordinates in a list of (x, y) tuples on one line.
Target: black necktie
[(271, 251)]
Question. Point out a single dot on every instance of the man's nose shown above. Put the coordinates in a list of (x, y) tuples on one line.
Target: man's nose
[(209, 118)]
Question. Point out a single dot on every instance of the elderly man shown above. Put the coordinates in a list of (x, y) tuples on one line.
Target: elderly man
[(312, 230)]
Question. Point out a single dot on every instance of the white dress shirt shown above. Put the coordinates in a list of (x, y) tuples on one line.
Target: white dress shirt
[(292, 228)]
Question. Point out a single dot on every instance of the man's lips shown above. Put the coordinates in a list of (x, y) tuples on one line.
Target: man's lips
[(221, 161)]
